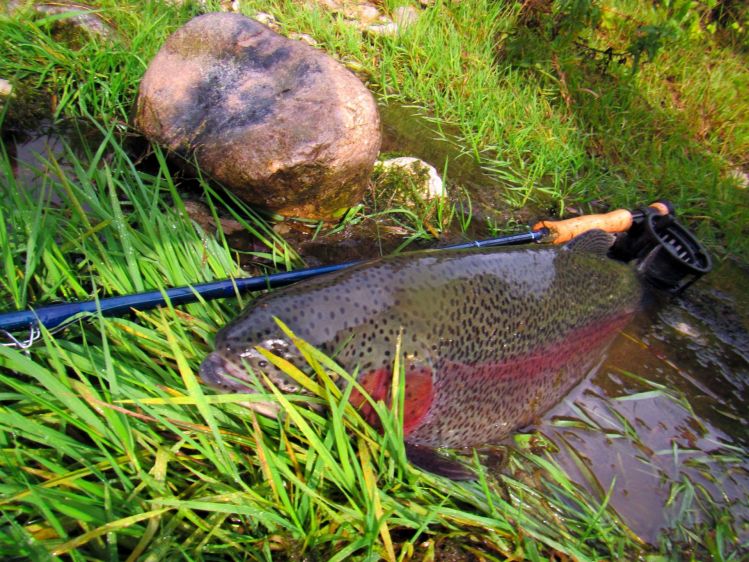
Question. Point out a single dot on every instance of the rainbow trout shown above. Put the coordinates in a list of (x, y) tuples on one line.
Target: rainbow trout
[(491, 337)]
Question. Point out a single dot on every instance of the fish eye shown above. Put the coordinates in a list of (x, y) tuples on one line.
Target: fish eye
[(262, 364)]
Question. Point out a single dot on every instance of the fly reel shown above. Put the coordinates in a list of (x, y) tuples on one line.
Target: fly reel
[(667, 254)]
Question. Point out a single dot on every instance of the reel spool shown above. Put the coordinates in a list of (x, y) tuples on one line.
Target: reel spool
[(667, 254)]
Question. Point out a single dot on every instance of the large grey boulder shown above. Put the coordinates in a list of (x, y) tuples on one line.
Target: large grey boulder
[(280, 123)]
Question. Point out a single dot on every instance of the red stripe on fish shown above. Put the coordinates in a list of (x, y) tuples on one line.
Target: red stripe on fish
[(418, 398), (377, 385), (510, 393)]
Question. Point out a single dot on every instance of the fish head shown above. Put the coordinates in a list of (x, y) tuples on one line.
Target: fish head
[(240, 364)]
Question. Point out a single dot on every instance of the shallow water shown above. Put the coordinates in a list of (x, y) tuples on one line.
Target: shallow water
[(694, 430), (406, 131), (42, 155), (30, 154)]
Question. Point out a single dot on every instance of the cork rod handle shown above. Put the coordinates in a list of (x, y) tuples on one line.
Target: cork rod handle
[(619, 220)]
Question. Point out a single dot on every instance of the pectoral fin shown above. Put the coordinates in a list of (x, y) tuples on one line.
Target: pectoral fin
[(430, 460), (417, 400)]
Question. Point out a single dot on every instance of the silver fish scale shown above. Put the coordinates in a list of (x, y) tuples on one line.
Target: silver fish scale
[(503, 330)]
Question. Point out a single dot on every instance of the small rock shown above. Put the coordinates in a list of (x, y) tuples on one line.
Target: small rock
[(360, 13), (741, 177), (6, 88), (85, 18), (230, 6), (304, 38), (363, 13), (268, 20), (282, 228), (385, 29), (686, 329), (405, 16), (424, 176), (332, 5), (280, 123), (202, 215)]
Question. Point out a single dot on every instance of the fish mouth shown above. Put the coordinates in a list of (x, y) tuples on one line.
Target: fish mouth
[(220, 373)]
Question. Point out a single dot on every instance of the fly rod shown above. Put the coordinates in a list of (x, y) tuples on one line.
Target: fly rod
[(57, 315)]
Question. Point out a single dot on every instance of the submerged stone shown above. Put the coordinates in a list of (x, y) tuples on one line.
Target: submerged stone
[(280, 123)]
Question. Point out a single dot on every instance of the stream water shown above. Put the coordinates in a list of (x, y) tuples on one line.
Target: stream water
[(667, 411)]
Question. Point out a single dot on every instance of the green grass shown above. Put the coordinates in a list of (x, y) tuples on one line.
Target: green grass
[(109, 446), (555, 128)]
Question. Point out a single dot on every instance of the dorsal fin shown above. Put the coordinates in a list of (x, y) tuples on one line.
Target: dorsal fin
[(592, 241)]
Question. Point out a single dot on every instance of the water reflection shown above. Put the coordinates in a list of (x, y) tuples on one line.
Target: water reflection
[(667, 411), (40, 156)]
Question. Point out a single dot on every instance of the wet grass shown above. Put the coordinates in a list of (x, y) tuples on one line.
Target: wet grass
[(109, 446), (699, 504)]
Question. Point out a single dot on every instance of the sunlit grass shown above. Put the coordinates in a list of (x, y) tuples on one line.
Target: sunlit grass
[(556, 129)]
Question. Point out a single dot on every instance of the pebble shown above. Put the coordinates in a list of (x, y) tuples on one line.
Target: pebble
[(423, 173), (6, 88)]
